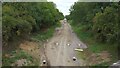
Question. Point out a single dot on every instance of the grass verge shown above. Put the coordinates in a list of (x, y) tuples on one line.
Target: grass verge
[(93, 45)]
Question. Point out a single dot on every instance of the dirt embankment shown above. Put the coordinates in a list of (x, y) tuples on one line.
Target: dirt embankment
[(35, 49)]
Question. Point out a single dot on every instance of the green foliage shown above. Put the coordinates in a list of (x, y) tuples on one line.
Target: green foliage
[(42, 36), (96, 24), (106, 25), (21, 19), (99, 66), (100, 19), (68, 17), (17, 56), (93, 46)]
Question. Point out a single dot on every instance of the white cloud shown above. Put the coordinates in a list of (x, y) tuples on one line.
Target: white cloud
[(63, 5)]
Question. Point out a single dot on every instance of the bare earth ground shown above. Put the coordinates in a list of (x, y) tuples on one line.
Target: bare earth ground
[(35, 49), (60, 49)]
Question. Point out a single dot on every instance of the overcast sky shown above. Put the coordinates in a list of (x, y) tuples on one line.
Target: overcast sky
[(63, 5)]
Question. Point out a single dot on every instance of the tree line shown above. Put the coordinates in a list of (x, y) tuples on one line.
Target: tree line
[(21, 19), (101, 19)]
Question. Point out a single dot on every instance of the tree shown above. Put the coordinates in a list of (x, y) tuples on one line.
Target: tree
[(101, 19), (22, 19)]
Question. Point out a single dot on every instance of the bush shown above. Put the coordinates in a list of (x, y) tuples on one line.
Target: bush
[(105, 25), (22, 19)]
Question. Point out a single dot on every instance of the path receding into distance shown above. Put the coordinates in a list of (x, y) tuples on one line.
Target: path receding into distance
[(60, 49)]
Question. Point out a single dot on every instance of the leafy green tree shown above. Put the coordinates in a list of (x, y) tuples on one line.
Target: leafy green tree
[(20, 19), (105, 25), (99, 18)]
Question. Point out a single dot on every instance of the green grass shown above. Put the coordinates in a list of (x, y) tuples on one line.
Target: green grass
[(20, 55), (42, 36), (93, 45), (58, 24), (101, 65), (81, 55), (98, 66)]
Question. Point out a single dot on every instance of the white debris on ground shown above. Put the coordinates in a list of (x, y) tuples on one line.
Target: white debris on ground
[(79, 50), (115, 65), (74, 58), (56, 43), (68, 44), (44, 61), (79, 44)]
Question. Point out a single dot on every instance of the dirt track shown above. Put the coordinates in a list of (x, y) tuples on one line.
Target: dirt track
[(60, 48)]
